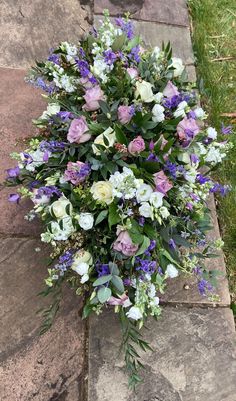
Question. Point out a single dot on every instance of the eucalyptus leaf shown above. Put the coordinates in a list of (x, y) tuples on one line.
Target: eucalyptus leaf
[(118, 283), (103, 294), (102, 280)]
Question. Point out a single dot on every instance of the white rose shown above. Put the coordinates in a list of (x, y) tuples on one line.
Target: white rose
[(177, 63), (180, 112), (61, 208), (143, 193), (134, 313), (145, 210), (158, 97), (85, 220), (82, 256), (109, 134), (156, 199), (164, 212), (144, 90), (211, 133), (80, 268), (102, 191), (171, 271), (158, 113)]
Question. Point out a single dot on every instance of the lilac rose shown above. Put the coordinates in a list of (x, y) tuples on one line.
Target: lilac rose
[(124, 114), (137, 145), (77, 131), (92, 97), (133, 72), (124, 244), (162, 182), (170, 90), (187, 129), (76, 172)]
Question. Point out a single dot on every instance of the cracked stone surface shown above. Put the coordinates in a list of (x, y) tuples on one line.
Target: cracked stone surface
[(30, 28), (194, 358), (36, 367)]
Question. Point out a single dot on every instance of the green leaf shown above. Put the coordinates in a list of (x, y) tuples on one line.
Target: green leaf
[(113, 268), (104, 106), (118, 283), (144, 246), (150, 231), (113, 217), (102, 280), (103, 294), (102, 215), (118, 42), (151, 167), (132, 43), (120, 136), (86, 311)]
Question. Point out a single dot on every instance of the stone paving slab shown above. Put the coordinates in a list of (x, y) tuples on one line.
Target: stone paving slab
[(153, 34), (36, 367), (172, 12), (176, 291), (30, 28), (194, 358)]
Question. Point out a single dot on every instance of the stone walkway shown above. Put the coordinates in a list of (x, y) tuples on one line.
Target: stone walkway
[(194, 342)]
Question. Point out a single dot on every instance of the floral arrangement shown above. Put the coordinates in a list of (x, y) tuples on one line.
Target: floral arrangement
[(119, 174)]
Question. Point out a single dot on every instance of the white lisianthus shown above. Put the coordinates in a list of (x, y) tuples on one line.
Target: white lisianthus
[(36, 159), (145, 210), (171, 271), (82, 256), (52, 109), (109, 134), (211, 133), (178, 66), (61, 208), (214, 155), (184, 157), (134, 313), (82, 269), (180, 111), (164, 212), (190, 175), (158, 113), (200, 113), (156, 199), (102, 191), (143, 193), (158, 97), (155, 301), (85, 220), (144, 91)]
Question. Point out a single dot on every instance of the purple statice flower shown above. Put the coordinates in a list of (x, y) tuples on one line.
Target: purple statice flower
[(93, 32), (40, 83), (171, 168), (83, 67), (82, 52), (202, 179), (132, 110), (152, 157), (33, 184), (134, 54), (13, 172), (109, 56), (14, 198), (219, 188), (150, 248), (102, 269), (226, 130), (141, 221), (49, 191), (65, 261), (145, 265), (172, 244), (52, 146), (54, 58), (93, 80), (204, 286), (201, 242), (64, 115), (125, 26)]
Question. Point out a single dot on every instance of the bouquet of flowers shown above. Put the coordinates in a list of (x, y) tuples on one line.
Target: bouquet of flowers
[(119, 174)]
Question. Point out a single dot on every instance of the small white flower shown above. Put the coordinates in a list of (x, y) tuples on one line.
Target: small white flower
[(158, 97), (85, 220), (200, 113), (143, 193), (134, 313), (171, 271), (156, 199), (84, 278), (155, 301), (156, 52), (190, 175), (214, 155), (52, 109), (211, 133), (164, 212), (144, 91), (81, 268), (158, 113), (180, 111), (178, 65), (145, 210)]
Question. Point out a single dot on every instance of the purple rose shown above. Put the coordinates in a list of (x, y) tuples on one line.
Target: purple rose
[(124, 244), (124, 114), (133, 72), (187, 129), (92, 97), (170, 90), (77, 130), (162, 182), (137, 145)]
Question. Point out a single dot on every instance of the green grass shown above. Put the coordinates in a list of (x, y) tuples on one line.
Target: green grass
[(214, 37)]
